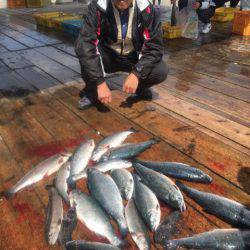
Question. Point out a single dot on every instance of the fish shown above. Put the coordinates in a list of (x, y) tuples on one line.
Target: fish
[(39, 172), (103, 188), (128, 151), (174, 15), (228, 210), (124, 181), (163, 187), (61, 181), (90, 213), (111, 141), (147, 204), (168, 227), (54, 216), (106, 166), (217, 239), (87, 245), (69, 224), (136, 226), (177, 170), (80, 159)]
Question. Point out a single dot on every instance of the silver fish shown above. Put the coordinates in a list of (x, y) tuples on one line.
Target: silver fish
[(61, 181), (111, 141), (177, 170), (69, 224), (92, 215), (128, 151), (86, 245), (40, 171), (80, 159), (104, 190), (218, 239), (164, 188), (147, 204), (106, 166), (124, 181), (224, 208), (136, 226), (54, 216)]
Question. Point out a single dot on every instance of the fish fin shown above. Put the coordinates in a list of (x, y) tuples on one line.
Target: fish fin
[(183, 208), (133, 130), (48, 186), (7, 194), (155, 139)]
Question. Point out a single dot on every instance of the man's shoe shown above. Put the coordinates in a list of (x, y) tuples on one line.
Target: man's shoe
[(144, 94), (84, 103), (206, 28)]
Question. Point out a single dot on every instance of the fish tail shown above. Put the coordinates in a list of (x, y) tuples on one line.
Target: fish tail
[(155, 140), (8, 193), (123, 228)]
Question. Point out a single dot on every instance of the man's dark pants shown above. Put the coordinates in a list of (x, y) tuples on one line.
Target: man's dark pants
[(203, 15), (113, 63)]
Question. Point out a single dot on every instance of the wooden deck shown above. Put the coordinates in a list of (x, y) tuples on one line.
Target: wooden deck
[(201, 115)]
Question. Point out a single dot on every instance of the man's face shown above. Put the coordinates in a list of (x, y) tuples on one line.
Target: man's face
[(122, 4)]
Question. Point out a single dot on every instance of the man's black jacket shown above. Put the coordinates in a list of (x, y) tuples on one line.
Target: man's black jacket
[(99, 29)]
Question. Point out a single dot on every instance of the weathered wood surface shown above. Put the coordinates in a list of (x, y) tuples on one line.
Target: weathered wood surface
[(200, 114)]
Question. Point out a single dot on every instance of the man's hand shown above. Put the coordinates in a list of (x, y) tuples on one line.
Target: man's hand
[(131, 83), (196, 5), (104, 93)]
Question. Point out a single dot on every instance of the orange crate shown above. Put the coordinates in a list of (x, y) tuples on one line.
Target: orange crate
[(241, 24), (16, 4)]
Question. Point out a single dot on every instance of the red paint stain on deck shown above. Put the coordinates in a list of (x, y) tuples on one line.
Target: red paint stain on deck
[(218, 166), (215, 188)]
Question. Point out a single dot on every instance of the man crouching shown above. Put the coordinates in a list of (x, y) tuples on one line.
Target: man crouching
[(120, 35)]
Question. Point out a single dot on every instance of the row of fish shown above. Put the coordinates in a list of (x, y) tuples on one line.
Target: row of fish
[(141, 189)]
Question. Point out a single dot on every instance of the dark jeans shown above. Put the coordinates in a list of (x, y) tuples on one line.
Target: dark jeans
[(113, 63), (203, 15)]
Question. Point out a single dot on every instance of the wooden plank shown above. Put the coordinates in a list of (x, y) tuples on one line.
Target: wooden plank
[(211, 83), (43, 38), (61, 57), (37, 78), (2, 49), (221, 125), (14, 60), (10, 44), (54, 69), (200, 55), (210, 70), (67, 48), (213, 99), (21, 38), (12, 85), (3, 67), (209, 151)]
